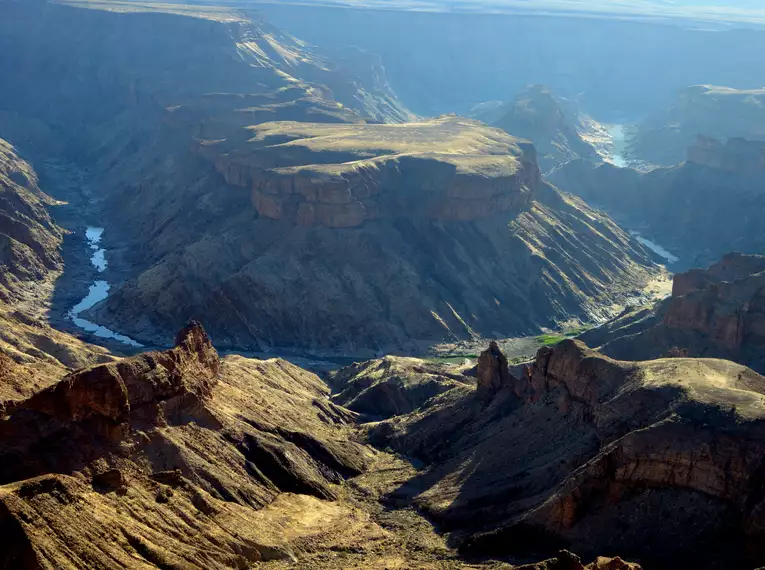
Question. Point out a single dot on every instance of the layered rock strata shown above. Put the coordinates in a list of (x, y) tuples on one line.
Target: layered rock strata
[(709, 110), (715, 312), (171, 459), (698, 210), (660, 460), (340, 176)]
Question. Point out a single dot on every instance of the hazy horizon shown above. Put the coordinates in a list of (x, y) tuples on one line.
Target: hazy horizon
[(740, 11)]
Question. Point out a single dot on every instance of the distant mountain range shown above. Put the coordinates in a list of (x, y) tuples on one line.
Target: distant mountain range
[(728, 13), (740, 11)]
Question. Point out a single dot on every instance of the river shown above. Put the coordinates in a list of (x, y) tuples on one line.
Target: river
[(618, 145), (656, 248), (97, 292)]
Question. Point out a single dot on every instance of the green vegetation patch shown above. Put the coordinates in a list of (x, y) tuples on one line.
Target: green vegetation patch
[(451, 359), (550, 339)]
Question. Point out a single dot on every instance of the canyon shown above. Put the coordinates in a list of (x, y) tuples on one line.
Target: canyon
[(616, 66), (231, 261), (279, 162), (415, 232), (717, 112), (719, 186), (182, 458), (655, 460)]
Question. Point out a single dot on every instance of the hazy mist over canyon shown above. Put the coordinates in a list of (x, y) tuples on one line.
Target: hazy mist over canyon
[(401, 284)]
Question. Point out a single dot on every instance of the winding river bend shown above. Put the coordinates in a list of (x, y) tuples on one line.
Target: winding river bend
[(97, 292)]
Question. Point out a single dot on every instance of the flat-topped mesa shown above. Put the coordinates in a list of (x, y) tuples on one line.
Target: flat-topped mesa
[(341, 175), (736, 155)]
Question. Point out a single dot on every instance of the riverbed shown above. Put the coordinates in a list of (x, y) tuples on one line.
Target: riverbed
[(617, 154), (97, 292), (656, 248)]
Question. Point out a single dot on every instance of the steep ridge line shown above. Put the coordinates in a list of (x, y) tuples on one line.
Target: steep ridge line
[(578, 450)]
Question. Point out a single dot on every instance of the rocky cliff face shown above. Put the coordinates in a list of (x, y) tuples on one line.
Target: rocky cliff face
[(29, 240), (340, 234), (720, 187), (537, 116), (171, 458), (658, 459), (340, 176), (389, 284), (736, 155), (715, 312), (719, 112), (32, 354)]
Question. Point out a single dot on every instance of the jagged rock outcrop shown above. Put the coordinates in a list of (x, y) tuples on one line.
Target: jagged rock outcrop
[(719, 187), (712, 111), (107, 395), (492, 373), (659, 460), (716, 312), (177, 459), (392, 385)]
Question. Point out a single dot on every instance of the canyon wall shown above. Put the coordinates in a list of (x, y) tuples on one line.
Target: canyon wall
[(707, 110), (716, 312), (341, 176), (658, 460), (698, 210), (248, 181)]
